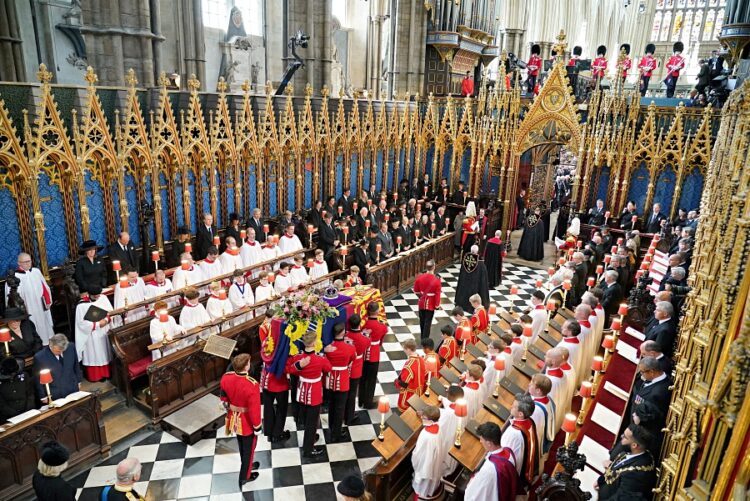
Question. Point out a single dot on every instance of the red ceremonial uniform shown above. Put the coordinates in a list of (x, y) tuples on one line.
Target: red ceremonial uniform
[(448, 349), (462, 325), (361, 345), (352, 281), (675, 64), (341, 360), (268, 342), (428, 287), (378, 330), (310, 385), (534, 65), (599, 67), (480, 322), (647, 65), (468, 228), (627, 63), (411, 381), (242, 393)]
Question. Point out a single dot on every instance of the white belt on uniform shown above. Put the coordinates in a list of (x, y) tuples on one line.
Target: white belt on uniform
[(359, 356), (374, 343), (346, 367), (309, 380)]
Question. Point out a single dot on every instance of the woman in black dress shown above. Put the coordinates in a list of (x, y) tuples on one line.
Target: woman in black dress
[(24, 340), (90, 269)]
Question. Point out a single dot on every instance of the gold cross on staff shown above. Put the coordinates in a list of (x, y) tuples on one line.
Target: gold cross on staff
[(561, 44)]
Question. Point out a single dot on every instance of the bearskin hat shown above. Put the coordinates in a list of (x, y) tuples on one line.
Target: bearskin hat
[(601, 50), (678, 47), (650, 48), (577, 50), (626, 48), (535, 49)]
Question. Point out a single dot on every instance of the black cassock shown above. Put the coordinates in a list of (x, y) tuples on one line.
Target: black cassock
[(561, 229), (472, 280), (531, 247), (493, 260)]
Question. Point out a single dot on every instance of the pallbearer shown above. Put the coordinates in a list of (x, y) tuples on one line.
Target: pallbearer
[(361, 345), (275, 388), (427, 287), (413, 376), (241, 396), (341, 354), (376, 331)]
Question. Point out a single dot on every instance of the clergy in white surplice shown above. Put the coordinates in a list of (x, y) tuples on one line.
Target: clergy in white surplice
[(544, 412), (264, 291), (161, 285), (188, 273), (582, 315), (516, 349), (36, 295), (573, 342), (428, 455), (218, 304), (496, 478), (538, 315), (230, 259), (570, 373), (449, 424), (297, 271), (92, 343), (283, 282), (193, 313), (164, 327), (251, 252), (241, 295), (211, 266), (494, 350), (521, 438), (289, 242), (271, 252), (319, 267), (559, 392), (128, 291)]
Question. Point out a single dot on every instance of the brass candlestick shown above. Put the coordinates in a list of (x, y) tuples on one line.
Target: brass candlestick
[(427, 388), (381, 436), (496, 392), (50, 403), (459, 430), (595, 384)]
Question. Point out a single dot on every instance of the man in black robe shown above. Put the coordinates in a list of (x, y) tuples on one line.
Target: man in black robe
[(531, 247), (472, 280), (493, 260)]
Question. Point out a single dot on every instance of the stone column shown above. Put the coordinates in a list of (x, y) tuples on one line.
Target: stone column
[(11, 64)]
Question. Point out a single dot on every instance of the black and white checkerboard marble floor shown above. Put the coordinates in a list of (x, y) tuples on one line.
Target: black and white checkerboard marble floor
[(208, 469)]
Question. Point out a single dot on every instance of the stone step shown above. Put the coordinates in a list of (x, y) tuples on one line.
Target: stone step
[(111, 402), (122, 422)]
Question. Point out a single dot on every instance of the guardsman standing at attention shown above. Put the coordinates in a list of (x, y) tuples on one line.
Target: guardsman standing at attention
[(427, 287), (342, 357), (675, 63), (413, 376), (647, 65), (533, 65), (376, 331), (627, 63), (275, 388), (599, 65), (241, 396)]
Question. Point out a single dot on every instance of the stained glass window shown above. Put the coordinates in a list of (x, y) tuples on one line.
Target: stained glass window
[(666, 22), (677, 25), (680, 4), (696, 32), (708, 29), (718, 23), (687, 24), (656, 26)]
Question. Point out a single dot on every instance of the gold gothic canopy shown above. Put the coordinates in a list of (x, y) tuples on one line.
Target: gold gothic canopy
[(87, 179)]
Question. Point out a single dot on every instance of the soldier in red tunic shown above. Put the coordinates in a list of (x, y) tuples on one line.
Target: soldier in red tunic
[(448, 346), (341, 354), (361, 345), (534, 65), (599, 65), (309, 367), (427, 287), (647, 65), (627, 63), (275, 388), (241, 396), (376, 331), (413, 376), (674, 65)]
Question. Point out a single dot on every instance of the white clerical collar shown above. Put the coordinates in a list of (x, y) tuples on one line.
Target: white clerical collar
[(656, 379)]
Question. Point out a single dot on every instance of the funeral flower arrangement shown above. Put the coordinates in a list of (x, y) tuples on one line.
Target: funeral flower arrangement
[(302, 311)]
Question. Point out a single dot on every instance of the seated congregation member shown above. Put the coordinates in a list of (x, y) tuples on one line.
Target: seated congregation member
[(271, 251), (341, 356), (375, 330), (164, 328), (187, 273), (91, 333), (128, 291), (24, 340), (413, 376), (298, 273), (448, 347), (521, 438), (289, 242), (241, 295), (16, 389), (251, 251), (428, 458), (230, 259), (193, 313), (264, 291), (361, 344), (218, 304), (664, 329), (47, 481), (632, 472), (544, 412), (283, 282), (497, 477), (211, 266), (60, 358), (90, 269)]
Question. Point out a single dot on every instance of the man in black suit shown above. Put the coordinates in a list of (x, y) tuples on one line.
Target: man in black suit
[(663, 330), (123, 250), (364, 215), (458, 197), (631, 471), (345, 201), (232, 230), (652, 349), (359, 255), (581, 272), (612, 296), (60, 358), (385, 240), (654, 221), (520, 208), (596, 214), (204, 237), (327, 238), (256, 223), (441, 195), (626, 219), (649, 400)]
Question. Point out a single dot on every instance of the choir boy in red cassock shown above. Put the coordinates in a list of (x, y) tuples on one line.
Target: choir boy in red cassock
[(448, 346), (480, 320), (241, 396), (413, 376)]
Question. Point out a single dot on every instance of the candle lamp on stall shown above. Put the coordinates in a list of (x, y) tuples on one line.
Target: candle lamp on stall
[(527, 333), (599, 271), (217, 240), (585, 393), (608, 344), (163, 320), (398, 243), (310, 231), (345, 231), (45, 379), (243, 235), (561, 261), (188, 247), (384, 405), (551, 271), (551, 307), (597, 366), (567, 285), (465, 336), (620, 241), (613, 250), (590, 282), (538, 283), (461, 410), (622, 311), (579, 244), (430, 363), (569, 427), (607, 259), (116, 266), (5, 339), (378, 248), (499, 369), (616, 326), (265, 231), (155, 259)]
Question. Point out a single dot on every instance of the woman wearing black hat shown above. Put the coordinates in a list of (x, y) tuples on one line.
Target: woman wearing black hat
[(16, 389), (352, 488), (90, 270), (24, 340), (47, 482)]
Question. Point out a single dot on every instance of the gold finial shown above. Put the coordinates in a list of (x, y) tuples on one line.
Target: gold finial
[(324, 91), (193, 83), (430, 98), (561, 44), (269, 88), (289, 90), (43, 75), (341, 92), (246, 86), (130, 78), (163, 80), (90, 76), (308, 90), (221, 86)]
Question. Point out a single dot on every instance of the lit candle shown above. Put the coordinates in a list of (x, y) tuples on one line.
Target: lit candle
[(155, 256), (310, 262), (607, 259), (430, 363), (340, 210), (184, 264), (243, 235), (493, 309), (499, 363), (384, 405), (5, 339), (615, 324), (395, 197), (217, 240), (271, 278), (461, 410), (599, 269), (425, 190), (551, 305), (369, 202), (585, 391), (623, 309), (613, 250), (579, 243), (45, 376), (590, 282), (513, 290), (354, 206), (561, 261), (569, 426), (551, 270), (606, 215), (634, 218), (419, 207), (188, 247), (608, 343), (398, 240), (265, 228), (116, 266), (310, 229), (163, 316), (433, 226), (344, 251), (447, 221), (597, 364), (222, 294), (527, 332), (345, 230), (538, 283), (620, 241), (567, 284), (124, 282), (378, 248), (386, 217)]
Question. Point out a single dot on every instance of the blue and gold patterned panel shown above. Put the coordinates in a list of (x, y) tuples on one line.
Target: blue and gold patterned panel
[(353, 177), (339, 182), (290, 194), (164, 194), (204, 205), (692, 189), (217, 182), (379, 160), (465, 165), (77, 209), (601, 192), (116, 203), (150, 199), (95, 203), (446, 166), (230, 191), (178, 201), (429, 159), (55, 234), (391, 156), (252, 188), (401, 164), (664, 189), (307, 171), (272, 195), (194, 209), (10, 244), (131, 195), (639, 186)]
